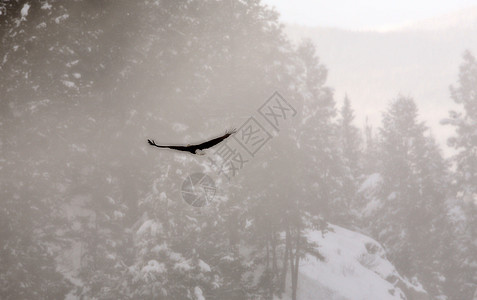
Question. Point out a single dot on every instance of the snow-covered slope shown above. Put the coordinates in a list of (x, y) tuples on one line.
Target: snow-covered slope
[(355, 268)]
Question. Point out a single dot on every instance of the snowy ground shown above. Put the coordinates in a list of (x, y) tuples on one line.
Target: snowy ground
[(355, 268)]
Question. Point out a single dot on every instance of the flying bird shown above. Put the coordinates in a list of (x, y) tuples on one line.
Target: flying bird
[(198, 148)]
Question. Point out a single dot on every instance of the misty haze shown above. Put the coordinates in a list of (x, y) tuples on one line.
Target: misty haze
[(205, 149)]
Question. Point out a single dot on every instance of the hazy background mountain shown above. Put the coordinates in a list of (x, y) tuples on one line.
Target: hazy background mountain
[(419, 59), (464, 19)]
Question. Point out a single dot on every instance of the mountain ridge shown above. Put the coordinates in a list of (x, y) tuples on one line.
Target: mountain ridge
[(374, 67), (463, 19)]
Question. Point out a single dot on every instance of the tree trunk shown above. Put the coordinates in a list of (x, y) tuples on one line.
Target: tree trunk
[(292, 270), (274, 254), (283, 278), (268, 275), (297, 264)]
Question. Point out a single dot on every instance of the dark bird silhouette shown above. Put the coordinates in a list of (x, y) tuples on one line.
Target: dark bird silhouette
[(198, 148)]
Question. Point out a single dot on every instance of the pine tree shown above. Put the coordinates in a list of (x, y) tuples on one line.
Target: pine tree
[(412, 211), (317, 135), (349, 142), (370, 152), (402, 136), (465, 161), (302, 205)]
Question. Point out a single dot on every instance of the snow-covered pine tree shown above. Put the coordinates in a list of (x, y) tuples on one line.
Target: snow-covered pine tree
[(463, 279), (349, 144), (173, 248), (402, 137), (409, 217), (317, 134), (312, 149), (32, 229)]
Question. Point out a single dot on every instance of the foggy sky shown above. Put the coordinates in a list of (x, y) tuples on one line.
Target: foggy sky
[(367, 14)]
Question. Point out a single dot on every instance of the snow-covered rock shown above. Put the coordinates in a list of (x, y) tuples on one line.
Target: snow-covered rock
[(355, 267)]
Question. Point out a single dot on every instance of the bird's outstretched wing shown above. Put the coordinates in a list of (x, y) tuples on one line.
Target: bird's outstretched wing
[(213, 142), (180, 148)]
